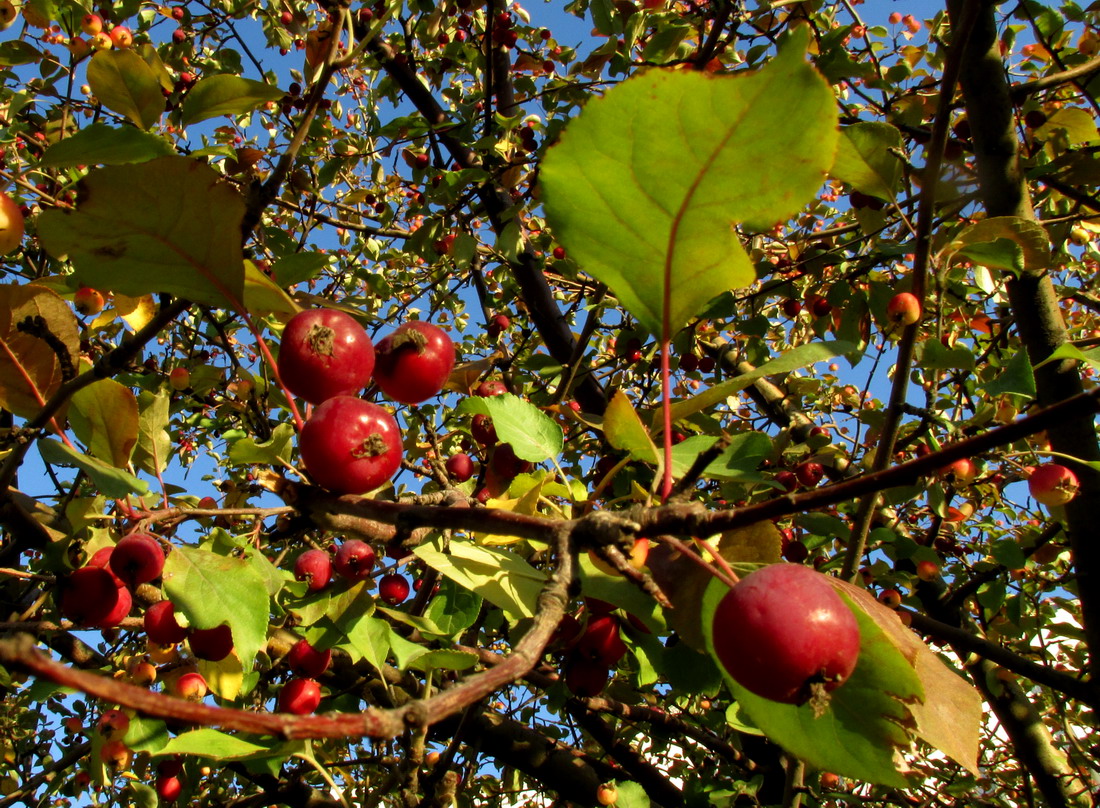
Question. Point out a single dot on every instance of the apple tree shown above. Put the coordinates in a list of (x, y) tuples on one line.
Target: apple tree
[(669, 403)]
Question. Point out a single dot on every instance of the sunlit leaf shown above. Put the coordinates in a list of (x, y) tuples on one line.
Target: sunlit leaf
[(1005, 242), (224, 94), (647, 184), (110, 481), (502, 578), (105, 417), (625, 431), (169, 225), (126, 84), (533, 434), (869, 158), (212, 589)]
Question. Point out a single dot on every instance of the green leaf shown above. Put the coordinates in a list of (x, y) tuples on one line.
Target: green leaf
[(796, 358), (1069, 351), (453, 608), (866, 158), (299, 267), (124, 83), (262, 296), (645, 185), (533, 434), (105, 417), (631, 795), (216, 745), (369, 638), (739, 460), (17, 52), (445, 659), (212, 589), (1005, 242), (109, 481), (154, 445), (146, 734), (169, 225), (226, 95), (1017, 378), (100, 144), (502, 578), (272, 452), (140, 795), (625, 431), (934, 354)]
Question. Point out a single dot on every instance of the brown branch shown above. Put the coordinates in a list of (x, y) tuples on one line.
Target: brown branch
[(1019, 92), (21, 654), (1040, 674)]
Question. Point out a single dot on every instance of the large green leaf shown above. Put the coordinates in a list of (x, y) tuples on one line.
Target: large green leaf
[(868, 158), (212, 589), (226, 95), (169, 225), (646, 184), (126, 84), (100, 144), (532, 433)]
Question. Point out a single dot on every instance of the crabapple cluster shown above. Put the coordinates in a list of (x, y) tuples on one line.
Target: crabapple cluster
[(350, 445)]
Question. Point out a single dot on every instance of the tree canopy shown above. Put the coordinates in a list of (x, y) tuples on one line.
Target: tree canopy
[(669, 403)]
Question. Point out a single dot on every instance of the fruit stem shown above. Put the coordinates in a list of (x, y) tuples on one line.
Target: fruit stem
[(666, 414), (721, 570)]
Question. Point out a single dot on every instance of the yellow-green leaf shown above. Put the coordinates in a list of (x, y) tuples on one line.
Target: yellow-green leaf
[(168, 225), (125, 83), (226, 95)]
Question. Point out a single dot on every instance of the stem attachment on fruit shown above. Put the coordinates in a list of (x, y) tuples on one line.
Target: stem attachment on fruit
[(372, 446), (321, 340)]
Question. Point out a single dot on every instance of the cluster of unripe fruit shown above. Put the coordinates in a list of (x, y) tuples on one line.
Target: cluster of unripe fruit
[(350, 445)]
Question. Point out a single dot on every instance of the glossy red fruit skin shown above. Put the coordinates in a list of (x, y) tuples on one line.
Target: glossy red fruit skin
[(355, 560), (414, 362), (89, 596), (393, 588), (161, 626), (137, 558), (102, 558), (314, 567), (903, 308), (212, 644), (490, 388), (123, 603), (169, 788), (1052, 484), (809, 473), (350, 446), (325, 353), (299, 696), (306, 660), (460, 467), (782, 628)]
